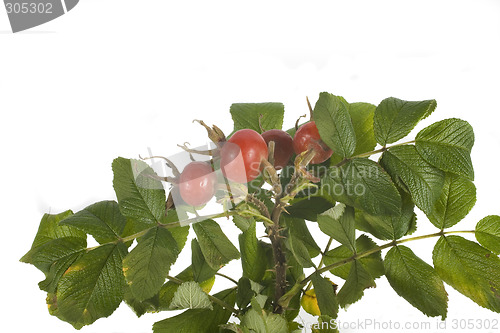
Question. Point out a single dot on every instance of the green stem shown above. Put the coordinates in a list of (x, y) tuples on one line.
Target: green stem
[(260, 205), (380, 248), (370, 153), (322, 261), (167, 226), (227, 277)]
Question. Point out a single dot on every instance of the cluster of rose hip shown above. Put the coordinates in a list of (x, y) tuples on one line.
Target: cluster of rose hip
[(242, 157)]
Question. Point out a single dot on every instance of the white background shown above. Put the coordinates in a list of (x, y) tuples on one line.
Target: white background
[(114, 77)]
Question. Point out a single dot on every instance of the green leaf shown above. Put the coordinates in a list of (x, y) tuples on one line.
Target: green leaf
[(102, 220), (447, 145), (263, 322), (293, 309), (198, 320), (189, 295), (298, 228), (49, 230), (140, 195), (295, 270), (408, 169), (180, 234), (55, 257), (244, 292), (357, 281), (488, 233), (243, 223), (309, 207), (247, 291), (232, 327), (167, 291), (338, 223), (363, 184), (46, 255), (372, 263), (362, 119), (140, 308), (332, 118), (416, 281), (148, 264), (201, 269), (253, 259), (470, 269), (276, 323), (325, 293), (458, 196), (394, 118), (254, 322), (215, 246), (299, 251), (92, 287), (247, 115), (258, 302), (385, 226)]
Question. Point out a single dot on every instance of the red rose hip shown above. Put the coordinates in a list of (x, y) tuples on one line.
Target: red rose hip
[(242, 155), (307, 137), (197, 183), (283, 146)]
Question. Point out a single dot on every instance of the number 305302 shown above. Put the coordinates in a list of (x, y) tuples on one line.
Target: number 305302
[(29, 8)]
